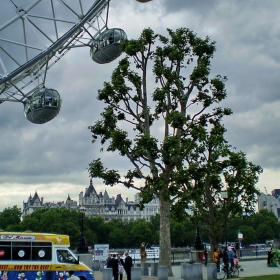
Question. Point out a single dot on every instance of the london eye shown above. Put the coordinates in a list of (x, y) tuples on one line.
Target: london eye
[(38, 35)]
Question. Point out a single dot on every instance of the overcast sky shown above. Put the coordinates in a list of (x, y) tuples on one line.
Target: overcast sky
[(52, 158)]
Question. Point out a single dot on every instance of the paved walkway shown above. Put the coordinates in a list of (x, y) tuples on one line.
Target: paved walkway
[(251, 268)]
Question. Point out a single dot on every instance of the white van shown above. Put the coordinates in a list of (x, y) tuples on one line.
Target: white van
[(258, 247)]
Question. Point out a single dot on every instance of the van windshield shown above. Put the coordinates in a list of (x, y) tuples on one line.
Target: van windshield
[(64, 256)]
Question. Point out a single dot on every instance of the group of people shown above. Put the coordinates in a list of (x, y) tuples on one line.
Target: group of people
[(119, 265), (228, 256)]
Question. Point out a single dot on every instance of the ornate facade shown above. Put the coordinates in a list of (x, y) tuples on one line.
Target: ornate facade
[(35, 203), (98, 205), (115, 208)]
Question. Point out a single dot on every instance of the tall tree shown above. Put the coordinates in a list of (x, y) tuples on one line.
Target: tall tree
[(156, 125), (214, 166)]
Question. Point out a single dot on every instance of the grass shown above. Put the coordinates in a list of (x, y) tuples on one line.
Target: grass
[(263, 277)]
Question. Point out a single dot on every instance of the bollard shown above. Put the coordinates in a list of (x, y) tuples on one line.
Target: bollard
[(144, 269), (154, 269), (135, 273), (107, 274), (162, 273), (182, 270), (101, 265), (210, 270), (95, 265), (188, 271), (197, 271)]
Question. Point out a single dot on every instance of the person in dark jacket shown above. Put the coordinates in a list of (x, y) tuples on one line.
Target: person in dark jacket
[(206, 255), (108, 261), (128, 265), (113, 263)]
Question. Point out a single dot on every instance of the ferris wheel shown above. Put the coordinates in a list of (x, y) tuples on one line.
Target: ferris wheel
[(38, 35)]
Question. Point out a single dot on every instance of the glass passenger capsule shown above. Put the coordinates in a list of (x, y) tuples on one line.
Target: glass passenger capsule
[(106, 46), (42, 106)]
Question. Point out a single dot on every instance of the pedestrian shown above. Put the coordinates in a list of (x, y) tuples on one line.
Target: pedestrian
[(120, 266), (220, 252), (72, 276), (127, 265), (236, 260), (107, 265), (206, 255), (231, 257), (113, 263), (226, 260), (216, 258)]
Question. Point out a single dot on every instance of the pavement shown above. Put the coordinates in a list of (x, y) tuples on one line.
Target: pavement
[(251, 268)]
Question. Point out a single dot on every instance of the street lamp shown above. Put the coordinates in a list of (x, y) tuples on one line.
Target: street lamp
[(224, 195), (82, 247)]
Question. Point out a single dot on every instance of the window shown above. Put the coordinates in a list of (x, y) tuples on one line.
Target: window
[(21, 251), (25, 251), (41, 251), (64, 256), (5, 251)]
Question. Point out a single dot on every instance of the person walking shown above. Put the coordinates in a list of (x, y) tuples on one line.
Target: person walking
[(72, 276), (128, 265)]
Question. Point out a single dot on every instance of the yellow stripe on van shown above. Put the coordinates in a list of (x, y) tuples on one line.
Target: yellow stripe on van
[(56, 239), (44, 267)]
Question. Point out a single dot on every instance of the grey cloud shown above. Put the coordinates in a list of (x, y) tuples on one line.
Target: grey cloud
[(247, 36)]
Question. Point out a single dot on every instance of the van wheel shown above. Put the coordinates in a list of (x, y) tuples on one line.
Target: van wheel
[(82, 278)]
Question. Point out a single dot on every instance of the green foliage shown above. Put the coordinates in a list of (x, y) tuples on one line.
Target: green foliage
[(55, 220), (256, 228), (10, 218), (142, 230)]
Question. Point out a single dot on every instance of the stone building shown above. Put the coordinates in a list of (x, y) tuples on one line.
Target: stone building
[(271, 202), (115, 208), (36, 203), (97, 205)]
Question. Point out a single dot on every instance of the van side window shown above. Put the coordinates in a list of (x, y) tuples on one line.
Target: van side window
[(21, 251), (42, 251), (25, 251)]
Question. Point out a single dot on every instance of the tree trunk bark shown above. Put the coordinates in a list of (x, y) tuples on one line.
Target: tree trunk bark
[(164, 240)]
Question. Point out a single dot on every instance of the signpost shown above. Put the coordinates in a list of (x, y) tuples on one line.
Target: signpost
[(101, 251), (240, 238)]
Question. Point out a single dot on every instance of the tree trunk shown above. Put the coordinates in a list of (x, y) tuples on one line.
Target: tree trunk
[(164, 240)]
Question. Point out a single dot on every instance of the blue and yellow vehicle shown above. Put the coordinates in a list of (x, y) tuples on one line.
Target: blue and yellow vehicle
[(39, 256)]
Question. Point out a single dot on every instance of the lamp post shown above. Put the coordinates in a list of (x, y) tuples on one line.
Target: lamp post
[(82, 247), (224, 195)]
